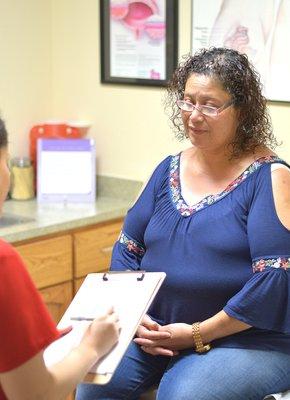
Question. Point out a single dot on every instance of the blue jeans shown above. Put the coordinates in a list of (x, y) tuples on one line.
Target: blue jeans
[(220, 374)]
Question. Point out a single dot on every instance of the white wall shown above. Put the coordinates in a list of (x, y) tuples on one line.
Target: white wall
[(25, 67)]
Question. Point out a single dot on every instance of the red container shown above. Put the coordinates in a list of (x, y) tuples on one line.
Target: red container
[(51, 130)]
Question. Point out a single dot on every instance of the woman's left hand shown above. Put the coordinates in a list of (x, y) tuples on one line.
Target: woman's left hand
[(181, 338)]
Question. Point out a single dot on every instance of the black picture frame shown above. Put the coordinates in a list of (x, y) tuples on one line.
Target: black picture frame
[(171, 52)]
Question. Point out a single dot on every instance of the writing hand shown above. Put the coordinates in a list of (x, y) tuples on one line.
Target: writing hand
[(102, 334)]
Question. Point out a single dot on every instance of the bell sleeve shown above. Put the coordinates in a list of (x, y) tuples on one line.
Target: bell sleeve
[(130, 247), (264, 300)]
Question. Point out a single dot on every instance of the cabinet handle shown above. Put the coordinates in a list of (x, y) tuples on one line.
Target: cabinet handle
[(107, 249)]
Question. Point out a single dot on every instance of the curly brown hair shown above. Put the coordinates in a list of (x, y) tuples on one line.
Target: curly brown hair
[(240, 79), (3, 134)]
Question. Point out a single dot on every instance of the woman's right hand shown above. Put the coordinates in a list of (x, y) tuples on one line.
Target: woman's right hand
[(102, 334), (149, 329), (147, 325)]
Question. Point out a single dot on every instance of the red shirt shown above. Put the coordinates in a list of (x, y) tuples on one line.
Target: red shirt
[(26, 326)]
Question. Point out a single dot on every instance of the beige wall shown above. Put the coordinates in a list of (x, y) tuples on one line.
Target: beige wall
[(25, 67), (129, 124), (50, 68), (280, 113)]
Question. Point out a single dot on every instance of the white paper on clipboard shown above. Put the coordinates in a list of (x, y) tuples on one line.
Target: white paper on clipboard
[(130, 293)]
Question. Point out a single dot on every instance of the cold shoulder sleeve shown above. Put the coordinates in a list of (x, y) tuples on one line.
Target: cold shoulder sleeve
[(130, 247), (264, 301)]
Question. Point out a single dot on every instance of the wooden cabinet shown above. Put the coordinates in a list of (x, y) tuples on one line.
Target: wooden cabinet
[(49, 261), (77, 283), (59, 264), (57, 298), (93, 248)]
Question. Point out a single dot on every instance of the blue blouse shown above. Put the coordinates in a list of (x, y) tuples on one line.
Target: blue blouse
[(229, 251)]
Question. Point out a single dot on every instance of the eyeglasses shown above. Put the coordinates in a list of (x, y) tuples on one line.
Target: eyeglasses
[(204, 110)]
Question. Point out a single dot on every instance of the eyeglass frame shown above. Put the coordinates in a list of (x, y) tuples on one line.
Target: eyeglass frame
[(194, 107)]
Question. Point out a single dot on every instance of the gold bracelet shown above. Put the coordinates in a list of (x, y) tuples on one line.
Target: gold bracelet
[(199, 346)]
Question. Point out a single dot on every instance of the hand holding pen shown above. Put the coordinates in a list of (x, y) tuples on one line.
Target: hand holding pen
[(103, 333)]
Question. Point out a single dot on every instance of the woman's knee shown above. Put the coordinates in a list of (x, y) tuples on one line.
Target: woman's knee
[(108, 392), (136, 373), (199, 392), (87, 392)]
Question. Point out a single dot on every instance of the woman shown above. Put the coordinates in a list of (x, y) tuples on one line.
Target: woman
[(27, 328), (216, 219)]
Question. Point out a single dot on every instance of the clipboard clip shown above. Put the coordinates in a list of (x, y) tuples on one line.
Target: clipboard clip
[(139, 278)]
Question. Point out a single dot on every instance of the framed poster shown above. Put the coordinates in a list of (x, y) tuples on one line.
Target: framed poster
[(138, 41), (259, 28)]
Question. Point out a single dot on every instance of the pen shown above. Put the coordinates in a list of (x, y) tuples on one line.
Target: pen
[(81, 319)]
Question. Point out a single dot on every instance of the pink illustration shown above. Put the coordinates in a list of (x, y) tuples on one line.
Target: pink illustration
[(138, 16), (155, 29), (239, 39), (154, 74), (119, 10)]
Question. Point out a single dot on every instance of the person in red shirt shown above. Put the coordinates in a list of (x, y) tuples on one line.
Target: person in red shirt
[(26, 327)]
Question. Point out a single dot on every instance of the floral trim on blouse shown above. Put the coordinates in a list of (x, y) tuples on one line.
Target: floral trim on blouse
[(132, 245), (279, 262), (187, 210)]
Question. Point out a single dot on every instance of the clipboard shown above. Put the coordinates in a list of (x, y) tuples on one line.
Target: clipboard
[(130, 293)]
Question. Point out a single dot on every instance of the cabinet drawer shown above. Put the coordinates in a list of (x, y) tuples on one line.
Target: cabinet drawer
[(93, 248), (48, 261), (57, 299)]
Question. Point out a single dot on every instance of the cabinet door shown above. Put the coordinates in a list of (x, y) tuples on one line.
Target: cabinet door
[(57, 299), (49, 261), (93, 248), (78, 283)]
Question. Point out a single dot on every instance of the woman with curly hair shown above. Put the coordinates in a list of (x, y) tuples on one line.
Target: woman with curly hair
[(216, 219)]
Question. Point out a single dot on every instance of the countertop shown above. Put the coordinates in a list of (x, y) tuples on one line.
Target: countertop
[(52, 218), (114, 197)]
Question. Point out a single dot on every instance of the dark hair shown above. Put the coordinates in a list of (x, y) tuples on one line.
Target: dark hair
[(240, 79), (3, 134)]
